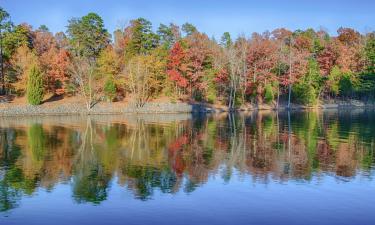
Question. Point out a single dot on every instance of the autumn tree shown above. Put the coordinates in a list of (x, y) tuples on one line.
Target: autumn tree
[(82, 71), (21, 61), (282, 38), (108, 70), (297, 58), (261, 61), (177, 67), (327, 58), (232, 67), (199, 60), (11, 39), (62, 41), (144, 78), (53, 58), (242, 46)]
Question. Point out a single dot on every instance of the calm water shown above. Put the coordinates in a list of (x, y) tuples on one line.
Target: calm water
[(302, 168)]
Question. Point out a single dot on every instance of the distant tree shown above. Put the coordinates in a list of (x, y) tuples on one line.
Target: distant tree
[(43, 41), (43, 28), (168, 34), (119, 42), (370, 53), (5, 26), (62, 41), (139, 38), (226, 40), (348, 36), (189, 29), (87, 35)]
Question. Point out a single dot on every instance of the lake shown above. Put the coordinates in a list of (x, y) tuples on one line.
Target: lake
[(256, 168)]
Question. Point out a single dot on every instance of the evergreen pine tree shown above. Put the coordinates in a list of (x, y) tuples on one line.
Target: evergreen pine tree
[(35, 86)]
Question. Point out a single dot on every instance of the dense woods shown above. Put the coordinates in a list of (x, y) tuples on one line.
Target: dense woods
[(141, 63)]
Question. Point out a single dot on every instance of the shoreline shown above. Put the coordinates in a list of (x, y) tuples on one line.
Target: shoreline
[(9, 109)]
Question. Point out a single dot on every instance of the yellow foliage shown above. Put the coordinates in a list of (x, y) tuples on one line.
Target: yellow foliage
[(21, 61)]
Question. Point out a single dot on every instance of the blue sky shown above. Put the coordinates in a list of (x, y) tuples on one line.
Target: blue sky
[(210, 16)]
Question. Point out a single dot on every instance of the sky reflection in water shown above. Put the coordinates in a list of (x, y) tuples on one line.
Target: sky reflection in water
[(259, 168)]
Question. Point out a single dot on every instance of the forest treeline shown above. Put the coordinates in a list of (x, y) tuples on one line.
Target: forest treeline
[(141, 63)]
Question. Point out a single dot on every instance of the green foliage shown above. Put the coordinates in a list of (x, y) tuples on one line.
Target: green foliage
[(43, 28), (346, 85), (307, 90), (211, 96), (268, 93), (110, 89), (168, 34), (186, 71), (88, 35), (226, 40), (365, 87), (14, 38), (312, 76), (370, 53), (143, 40), (90, 184), (37, 140), (334, 78), (303, 93), (317, 46), (189, 29), (211, 92), (35, 86)]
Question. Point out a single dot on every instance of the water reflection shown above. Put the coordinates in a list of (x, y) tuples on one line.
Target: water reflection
[(171, 153)]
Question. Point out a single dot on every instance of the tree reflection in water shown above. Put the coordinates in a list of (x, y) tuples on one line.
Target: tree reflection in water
[(170, 155)]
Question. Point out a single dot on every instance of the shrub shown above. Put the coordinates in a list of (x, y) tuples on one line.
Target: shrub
[(211, 95), (268, 94), (346, 85), (110, 89), (303, 93), (35, 86)]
